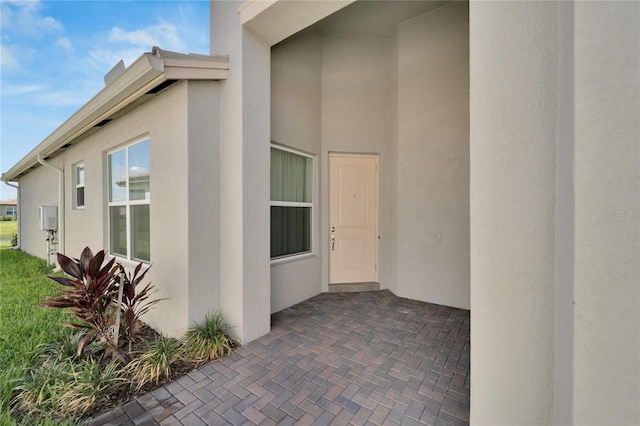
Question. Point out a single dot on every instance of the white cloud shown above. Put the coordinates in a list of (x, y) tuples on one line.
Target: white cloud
[(129, 45), (107, 58), (162, 34), (74, 98), (26, 18), (18, 90), (14, 58), (8, 58), (65, 44)]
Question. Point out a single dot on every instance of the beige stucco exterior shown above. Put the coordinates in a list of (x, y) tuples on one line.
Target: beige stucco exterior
[(507, 134), (347, 93), (555, 251), (180, 144)]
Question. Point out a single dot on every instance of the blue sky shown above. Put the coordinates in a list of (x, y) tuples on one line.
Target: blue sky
[(54, 55)]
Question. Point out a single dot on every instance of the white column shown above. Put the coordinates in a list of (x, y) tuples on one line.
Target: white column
[(513, 107), (244, 173), (607, 222)]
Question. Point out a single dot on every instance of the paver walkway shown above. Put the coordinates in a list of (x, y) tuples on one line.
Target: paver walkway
[(337, 358)]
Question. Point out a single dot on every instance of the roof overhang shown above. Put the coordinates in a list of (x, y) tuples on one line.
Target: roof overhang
[(275, 20), (149, 71)]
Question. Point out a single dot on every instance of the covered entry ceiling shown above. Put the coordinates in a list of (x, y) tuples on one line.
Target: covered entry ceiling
[(376, 19)]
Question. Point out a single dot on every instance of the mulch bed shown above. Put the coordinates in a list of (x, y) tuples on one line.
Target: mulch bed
[(145, 335)]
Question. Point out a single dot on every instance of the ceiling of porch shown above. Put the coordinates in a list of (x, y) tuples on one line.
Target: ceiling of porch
[(375, 19)]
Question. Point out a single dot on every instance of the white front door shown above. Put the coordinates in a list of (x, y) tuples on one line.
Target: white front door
[(353, 218)]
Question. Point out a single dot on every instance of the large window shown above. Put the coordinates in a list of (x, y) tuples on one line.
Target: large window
[(129, 199), (79, 181), (291, 203)]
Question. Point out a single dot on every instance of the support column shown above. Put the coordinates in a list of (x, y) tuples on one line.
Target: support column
[(607, 223), (244, 173), (514, 64)]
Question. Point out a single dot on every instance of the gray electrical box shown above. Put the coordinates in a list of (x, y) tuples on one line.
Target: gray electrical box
[(48, 218)]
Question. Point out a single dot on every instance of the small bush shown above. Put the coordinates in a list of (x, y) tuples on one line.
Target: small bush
[(91, 295), (67, 349), (92, 386), (14, 240), (210, 340), (6, 218), (155, 363), (39, 389), (68, 389)]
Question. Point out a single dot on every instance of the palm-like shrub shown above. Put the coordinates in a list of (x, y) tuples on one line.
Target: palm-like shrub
[(209, 340), (155, 363), (135, 303), (89, 295)]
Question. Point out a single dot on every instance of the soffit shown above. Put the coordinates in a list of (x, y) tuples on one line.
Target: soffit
[(374, 19)]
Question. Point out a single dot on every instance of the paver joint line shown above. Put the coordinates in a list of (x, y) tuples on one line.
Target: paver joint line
[(337, 358)]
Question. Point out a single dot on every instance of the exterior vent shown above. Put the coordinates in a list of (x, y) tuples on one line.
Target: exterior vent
[(161, 87), (103, 122)]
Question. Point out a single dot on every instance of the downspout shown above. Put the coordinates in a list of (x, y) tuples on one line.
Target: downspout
[(60, 171), (12, 185)]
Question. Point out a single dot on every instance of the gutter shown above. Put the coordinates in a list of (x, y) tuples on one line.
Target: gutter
[(60, 201), (13, 185), (124, 87)]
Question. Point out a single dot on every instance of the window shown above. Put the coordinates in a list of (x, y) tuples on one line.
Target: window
[(79, 179), (129, 200), (11, 211), (291, 203)]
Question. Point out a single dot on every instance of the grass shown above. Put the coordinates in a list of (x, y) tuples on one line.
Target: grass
[(23, 324), (7, 229), (43, 378)]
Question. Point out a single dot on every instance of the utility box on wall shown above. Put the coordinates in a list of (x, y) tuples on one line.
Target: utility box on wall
[(48, 218)]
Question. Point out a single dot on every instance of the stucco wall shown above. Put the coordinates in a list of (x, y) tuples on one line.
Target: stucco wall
[(406, 99), (38, 188), (165, 122), (244, 173), (607, 222), (431, 195), (329, 93), (514, 97), (356, 118), (296, 66), (203, 213)]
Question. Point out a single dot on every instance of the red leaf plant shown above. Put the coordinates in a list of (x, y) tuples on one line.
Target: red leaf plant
[(91, 295)]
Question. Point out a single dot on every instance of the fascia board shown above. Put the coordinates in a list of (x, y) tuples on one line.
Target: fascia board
[(213, 68), (144, 74)]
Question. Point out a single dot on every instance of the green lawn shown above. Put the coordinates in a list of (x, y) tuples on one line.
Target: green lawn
[(23, 324), (7, 229)]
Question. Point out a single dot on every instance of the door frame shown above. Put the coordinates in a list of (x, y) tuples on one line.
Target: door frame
[(334, 154)]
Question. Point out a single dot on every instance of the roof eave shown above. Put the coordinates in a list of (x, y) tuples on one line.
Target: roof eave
[(146, 73)]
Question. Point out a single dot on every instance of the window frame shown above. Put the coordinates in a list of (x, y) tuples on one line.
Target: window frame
[(78, 185), (127, 203), (311, 204)]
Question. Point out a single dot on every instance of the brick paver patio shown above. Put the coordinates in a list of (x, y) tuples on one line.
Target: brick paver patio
[(337, 358)]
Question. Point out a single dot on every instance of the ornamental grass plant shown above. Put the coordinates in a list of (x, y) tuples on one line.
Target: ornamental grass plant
[(60, 376), (156, 362), (209, 340)]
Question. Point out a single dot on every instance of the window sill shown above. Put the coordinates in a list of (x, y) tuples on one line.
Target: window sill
[(294, 258), (129, 264)]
